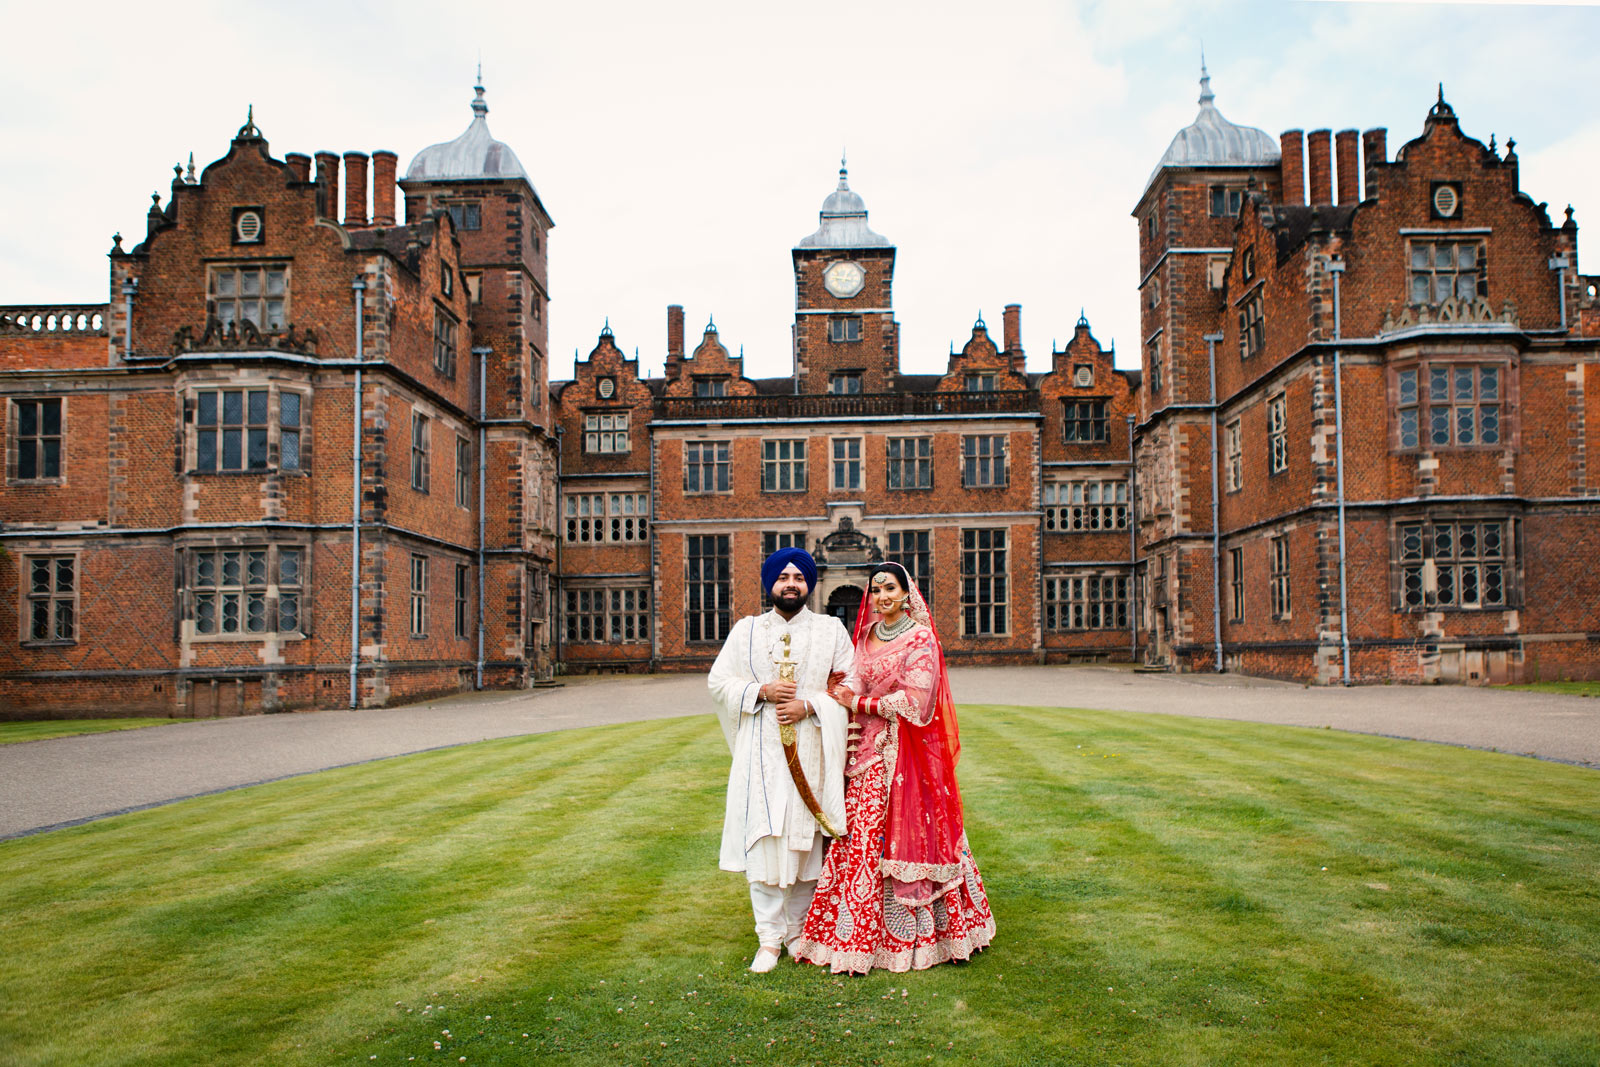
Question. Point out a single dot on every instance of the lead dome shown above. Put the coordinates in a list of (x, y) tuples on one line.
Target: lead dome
[(475, 154), (1213, 141)]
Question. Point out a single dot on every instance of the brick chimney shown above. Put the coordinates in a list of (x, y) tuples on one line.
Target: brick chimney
[(328, 179), (1319, 152), (1292, 149), (299, 165), (1012, 332), (383, 170), (1374, 152), (674, 362), (1344, 153), (355, 188)]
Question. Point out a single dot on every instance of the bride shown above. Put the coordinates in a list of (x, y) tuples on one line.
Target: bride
[(901, 892)]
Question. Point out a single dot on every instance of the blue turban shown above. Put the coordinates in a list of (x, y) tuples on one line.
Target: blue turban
[(781, 559)]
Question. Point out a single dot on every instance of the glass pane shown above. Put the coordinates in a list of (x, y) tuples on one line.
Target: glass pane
[(1407, 380), (41, 576), (1444, 257), (288, 613), (258, 407), (1443, 540), (1439, 384), (1447, 585), (249, 283), (63, 629), (207, 414), (63, 575), (258, 449), (1419, 290), (205, 616), (255, 567), (290, 449), (230, 568), (1419, 256), (1466, 256), (274, 315), (233, 408), (27, 460), (1467, 541), (1492, 540), (226, 313), (51, 468), (27, 419), (1408, 428), (230, 613), (1411, 542), (1442, 285), (275, 283), (232, 450), (51, 412), (255, 620), (1466, 287), (1489, 424), (205, 570), (1463, 383), (206, 451), (1489, 383), (1464, 426), (1494, 591), (223, 282), (1439, 426), (1469, 585)]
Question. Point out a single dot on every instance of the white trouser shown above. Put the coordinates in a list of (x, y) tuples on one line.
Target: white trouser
[(780, 911)]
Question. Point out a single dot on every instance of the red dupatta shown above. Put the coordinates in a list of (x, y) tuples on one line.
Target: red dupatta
[(923, 829)]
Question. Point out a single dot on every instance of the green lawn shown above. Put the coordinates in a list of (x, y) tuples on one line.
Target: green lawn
[(1576, 689), (13, 732), (1168, 891)]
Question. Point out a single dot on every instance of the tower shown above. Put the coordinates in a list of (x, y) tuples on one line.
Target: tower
[(845, 337)]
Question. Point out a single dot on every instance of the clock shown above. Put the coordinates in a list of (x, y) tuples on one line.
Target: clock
[(607, 387), (844, 279)]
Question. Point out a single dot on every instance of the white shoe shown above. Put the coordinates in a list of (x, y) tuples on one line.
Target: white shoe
[(766, 959)]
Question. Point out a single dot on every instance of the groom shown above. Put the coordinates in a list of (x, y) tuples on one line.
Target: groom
[(770, 685)]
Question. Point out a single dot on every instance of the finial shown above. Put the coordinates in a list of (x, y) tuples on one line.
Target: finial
[(1206, 95), (605, 331), (979, 324), (480, 107), (116, 241), (177, 173), (1441, 92), (741, 343), (711, 324), (1511, 148), (248, 130), (1569, 214), (1083, 320), (189, 177), (155, 202)]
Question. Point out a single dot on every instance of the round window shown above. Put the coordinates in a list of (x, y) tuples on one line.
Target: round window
[(1445, 201), (248, 226)]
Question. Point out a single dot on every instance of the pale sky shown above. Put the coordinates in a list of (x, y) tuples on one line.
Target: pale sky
[(683, 149)]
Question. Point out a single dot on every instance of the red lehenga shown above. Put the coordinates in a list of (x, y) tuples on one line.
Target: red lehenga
[(902, 891)]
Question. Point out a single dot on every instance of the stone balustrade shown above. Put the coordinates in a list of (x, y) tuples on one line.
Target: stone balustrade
[(55, 319)]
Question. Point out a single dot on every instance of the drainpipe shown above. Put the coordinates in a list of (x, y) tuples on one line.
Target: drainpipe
[(359, 288), (655, 632), (1559, 265), (1211, 340), (1336, 268), (1133, 550), (483, 476), (130, 286), (558, 609)]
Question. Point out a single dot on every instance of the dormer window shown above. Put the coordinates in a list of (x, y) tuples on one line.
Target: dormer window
[(981, 383), (1247, 264), (447, 280), (709, 387)]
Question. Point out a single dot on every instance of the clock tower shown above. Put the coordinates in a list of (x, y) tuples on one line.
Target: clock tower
[(845, 336)]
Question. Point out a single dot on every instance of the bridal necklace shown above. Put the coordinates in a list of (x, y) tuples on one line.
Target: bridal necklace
[(887, 632)]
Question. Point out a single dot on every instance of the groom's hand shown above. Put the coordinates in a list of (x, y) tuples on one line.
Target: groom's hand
[(778, 692), (792, 711)]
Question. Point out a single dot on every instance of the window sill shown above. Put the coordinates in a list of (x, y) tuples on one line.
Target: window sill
[(230, 639), (35, 483), (50, 644), (253, 472), (708, 492)]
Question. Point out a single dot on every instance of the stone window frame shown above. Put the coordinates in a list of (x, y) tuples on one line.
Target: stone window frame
[(775, 465), (15, 441), (446, 329), (218, 297), (981, 381), (916, 557), (1277, 433), (463, 471), (606, 517), (419, 595), (204, 567), (844, 329), (463, 599), (1424, 265), (710, 386), (1085, 505), (1086, 602), (896, 462), (1252, 320), (1229, 198), (421, 450), (272, 426), (985, 469), (1152, 351), (50, 596), (985, 582), (845, 383), (615, 614), (1417, 568), (1416, 404), (1233, 454), (707, 569), (1086, 414), (604, 431), (846, 473), (1236, 584), (466, 214), (1279, 573), (703, 476)]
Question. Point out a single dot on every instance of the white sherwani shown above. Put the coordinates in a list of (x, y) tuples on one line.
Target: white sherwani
[(767, 831)]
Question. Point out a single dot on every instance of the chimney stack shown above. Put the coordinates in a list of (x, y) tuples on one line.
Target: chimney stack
[(383, 170), (1344, 152), (1319, 150), (355, 188), (299, 165), (674, 339), (328, 180), (1374, 152), (1292, 148), (1012, 331)]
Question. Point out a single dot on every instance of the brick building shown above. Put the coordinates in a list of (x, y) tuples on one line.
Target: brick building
[(1435, 310), (310, 458), (266, 473)]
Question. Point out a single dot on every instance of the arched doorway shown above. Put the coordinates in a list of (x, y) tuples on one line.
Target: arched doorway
[(843, 604)]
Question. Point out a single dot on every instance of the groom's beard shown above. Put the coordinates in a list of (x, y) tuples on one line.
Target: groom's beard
[(789, 602)]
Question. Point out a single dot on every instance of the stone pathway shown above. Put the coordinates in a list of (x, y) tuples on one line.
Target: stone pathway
[(64, 781)]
